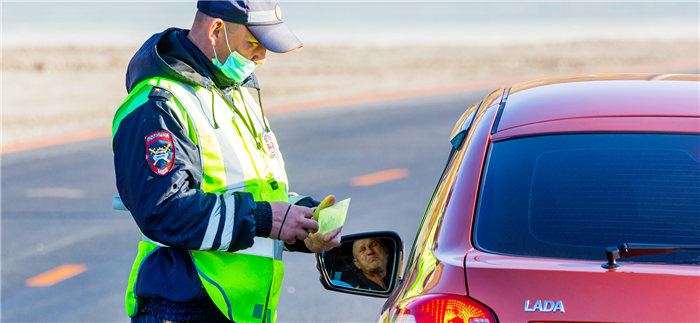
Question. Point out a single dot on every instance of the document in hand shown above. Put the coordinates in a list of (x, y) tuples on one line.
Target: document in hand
[(333, 217)]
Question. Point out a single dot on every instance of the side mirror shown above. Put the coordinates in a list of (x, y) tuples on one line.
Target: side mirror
[(365, 264)]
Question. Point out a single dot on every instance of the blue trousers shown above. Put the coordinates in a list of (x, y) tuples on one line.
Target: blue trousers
[(148, 318)]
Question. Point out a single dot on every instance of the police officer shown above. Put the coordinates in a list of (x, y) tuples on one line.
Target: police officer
[(200, 170)]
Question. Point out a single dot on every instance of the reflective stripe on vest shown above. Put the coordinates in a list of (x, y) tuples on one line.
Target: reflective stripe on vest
[(244, 285), (133, 302)]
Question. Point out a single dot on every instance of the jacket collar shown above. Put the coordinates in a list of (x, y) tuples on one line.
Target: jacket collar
[(170, 54)]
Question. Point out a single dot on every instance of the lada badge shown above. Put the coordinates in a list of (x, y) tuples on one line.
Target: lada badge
[(544, 306)]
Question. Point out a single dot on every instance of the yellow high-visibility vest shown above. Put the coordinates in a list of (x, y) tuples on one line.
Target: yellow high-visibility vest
[(244, 285)]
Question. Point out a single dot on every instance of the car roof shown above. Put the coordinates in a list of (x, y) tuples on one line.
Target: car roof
[(601, 96)]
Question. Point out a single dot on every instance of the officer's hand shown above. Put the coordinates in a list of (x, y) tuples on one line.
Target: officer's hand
[(328, 201), (298, 219), (318, 242)]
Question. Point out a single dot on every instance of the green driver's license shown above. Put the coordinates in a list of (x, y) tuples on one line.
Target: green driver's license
[(333, 217)]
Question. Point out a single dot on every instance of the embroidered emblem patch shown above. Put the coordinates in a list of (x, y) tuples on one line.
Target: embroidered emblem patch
[(160, 152), (269, 144)]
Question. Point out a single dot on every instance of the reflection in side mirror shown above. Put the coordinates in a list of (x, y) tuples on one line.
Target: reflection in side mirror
[(365, 263)]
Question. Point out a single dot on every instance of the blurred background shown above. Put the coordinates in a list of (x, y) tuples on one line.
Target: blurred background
[(350, 48), (63, 66)]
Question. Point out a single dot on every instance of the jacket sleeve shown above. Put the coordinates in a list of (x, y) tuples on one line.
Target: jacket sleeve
[(166, 203)]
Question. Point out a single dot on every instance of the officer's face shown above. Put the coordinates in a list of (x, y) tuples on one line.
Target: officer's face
[(242, 41), (370, 255)]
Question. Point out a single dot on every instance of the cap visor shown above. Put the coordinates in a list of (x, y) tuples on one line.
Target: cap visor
[(276, 38)]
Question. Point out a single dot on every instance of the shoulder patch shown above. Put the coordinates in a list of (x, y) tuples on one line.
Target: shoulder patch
[(157, 92), (160, 152)]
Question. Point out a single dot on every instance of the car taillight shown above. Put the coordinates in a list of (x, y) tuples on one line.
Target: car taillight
[(443, 309)]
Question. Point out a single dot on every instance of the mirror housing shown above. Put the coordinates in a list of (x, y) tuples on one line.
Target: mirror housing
[(341, 272), (463, 125)]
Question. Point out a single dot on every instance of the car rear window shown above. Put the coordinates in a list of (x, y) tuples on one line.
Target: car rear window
[(570, 196)]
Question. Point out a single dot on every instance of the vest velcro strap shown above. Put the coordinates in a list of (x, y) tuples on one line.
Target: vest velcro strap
[(263, 247)]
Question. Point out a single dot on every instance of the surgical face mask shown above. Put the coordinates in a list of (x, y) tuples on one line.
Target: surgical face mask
[(236, 67)]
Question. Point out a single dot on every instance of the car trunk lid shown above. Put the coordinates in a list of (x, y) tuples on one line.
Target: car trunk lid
[(520, 289)]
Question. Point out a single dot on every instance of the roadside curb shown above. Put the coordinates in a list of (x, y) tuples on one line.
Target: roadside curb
[(56, 140), (476, 85)]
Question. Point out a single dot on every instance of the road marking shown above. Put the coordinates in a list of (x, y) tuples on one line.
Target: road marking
[(17, 258), (476, 85), (60, 192), (379, 177), (56, 140), (56, 275)]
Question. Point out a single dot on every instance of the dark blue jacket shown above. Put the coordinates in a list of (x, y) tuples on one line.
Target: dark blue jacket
[(170, 208)]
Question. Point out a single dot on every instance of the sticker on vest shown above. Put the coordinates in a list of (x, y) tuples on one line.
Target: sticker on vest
[(269, 144), (160, 152)]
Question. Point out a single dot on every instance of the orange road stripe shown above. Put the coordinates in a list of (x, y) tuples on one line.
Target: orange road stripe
[(56, 140), (56, 275), (378, 96), (379, 177), (476, 85)]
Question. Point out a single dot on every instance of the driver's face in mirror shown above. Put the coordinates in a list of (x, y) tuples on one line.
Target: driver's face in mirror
[(370, 257)]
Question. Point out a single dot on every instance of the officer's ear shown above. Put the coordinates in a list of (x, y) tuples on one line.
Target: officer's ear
[(216, 30)]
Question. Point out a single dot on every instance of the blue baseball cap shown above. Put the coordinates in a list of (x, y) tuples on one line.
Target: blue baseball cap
[(263, 19)]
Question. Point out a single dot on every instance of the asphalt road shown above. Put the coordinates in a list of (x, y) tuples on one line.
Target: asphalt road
[(56, 208)]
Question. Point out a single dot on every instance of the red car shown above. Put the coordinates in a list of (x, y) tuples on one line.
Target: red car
[(572, 199)]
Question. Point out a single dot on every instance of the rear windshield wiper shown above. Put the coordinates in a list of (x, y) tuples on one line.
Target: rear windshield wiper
[(628, 250)]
